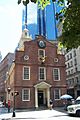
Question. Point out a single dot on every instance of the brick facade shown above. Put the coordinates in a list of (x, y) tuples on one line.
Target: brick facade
[(40, 91), (5, 65)]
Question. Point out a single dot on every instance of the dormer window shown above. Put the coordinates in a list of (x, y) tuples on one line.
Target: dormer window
[(41, 53), (41, 56)]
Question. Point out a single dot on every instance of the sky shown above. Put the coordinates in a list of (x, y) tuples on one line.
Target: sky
[(10, 25)]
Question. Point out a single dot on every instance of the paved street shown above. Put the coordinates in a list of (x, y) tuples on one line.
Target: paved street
[(38, 115)]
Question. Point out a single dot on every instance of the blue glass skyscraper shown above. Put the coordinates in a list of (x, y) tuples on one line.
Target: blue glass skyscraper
[(45, 21)]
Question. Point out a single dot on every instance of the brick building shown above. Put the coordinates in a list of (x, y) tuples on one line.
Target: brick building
[(38, 74), (5, 65)]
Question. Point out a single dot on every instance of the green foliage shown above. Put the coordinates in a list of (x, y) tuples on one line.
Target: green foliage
[(71, 27), (41, 3), (25, 2)]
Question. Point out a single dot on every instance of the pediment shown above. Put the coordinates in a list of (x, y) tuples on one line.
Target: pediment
[(42, 85)]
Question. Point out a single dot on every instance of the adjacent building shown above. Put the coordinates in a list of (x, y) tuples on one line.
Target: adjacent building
[(0, 56), (5, 65), (72, 61)]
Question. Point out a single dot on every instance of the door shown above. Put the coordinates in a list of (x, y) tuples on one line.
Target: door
[(40, 98)]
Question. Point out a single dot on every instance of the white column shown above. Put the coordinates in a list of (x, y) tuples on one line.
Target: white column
[(48, 96), (36, 98)]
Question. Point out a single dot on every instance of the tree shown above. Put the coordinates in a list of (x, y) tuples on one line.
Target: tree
[(41, 3), (70, 37)]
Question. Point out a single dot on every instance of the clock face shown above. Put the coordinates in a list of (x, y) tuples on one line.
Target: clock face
[(42, 44)]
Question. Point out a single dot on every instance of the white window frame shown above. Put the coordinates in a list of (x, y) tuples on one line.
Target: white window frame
[(29, 72), (55, 93), (58, 74), (28, 94), (44, 73), (39, 53)]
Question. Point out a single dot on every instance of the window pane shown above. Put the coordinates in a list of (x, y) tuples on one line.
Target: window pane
[(57, 92), (26, 73), (56, 74), (41, 53), (25, 94), (42, 73)]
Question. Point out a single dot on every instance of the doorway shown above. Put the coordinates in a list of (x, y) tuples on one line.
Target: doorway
[(40, 98)]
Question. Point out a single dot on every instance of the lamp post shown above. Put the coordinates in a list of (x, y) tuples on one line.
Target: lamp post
[(14, 115), (14, 96), (8, 89)]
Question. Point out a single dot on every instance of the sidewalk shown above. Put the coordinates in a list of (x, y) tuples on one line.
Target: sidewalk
[(42, 114), (60, 109)]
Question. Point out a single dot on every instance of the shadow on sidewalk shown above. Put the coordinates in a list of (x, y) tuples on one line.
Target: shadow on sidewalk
[(60, 109)]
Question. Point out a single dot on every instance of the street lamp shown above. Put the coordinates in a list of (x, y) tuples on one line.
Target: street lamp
[(8, 89), (14, 96)]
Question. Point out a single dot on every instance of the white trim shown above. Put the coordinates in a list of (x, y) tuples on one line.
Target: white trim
[(59, 93), (39, 52), (23, 94), (23, 72), (26, 57), (58, 74), (42, 83), (56, 60), (44, 73)]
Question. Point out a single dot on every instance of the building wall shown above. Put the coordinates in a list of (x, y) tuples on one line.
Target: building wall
[(73, 71), (4, 67), (48, 85), (31, 49)]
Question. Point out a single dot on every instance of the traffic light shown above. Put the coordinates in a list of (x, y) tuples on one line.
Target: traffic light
[(25, 2), (16, 93), (34, 1), (12, 94), (19, 1)]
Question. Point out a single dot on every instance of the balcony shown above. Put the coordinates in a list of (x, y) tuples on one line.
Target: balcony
[(42, 59)]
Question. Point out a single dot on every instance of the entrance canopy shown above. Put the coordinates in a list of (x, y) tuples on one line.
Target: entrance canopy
[(42, 85)]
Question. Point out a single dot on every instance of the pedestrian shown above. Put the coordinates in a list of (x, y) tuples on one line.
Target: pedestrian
[(8, 106), (51, 104)]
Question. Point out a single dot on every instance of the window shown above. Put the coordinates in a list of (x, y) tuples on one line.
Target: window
[(68, 64), (71, 71), (41, 53), (25, 94), (75, 61), (77, 80), (56, 74), (70, 55), (76, 69), (26, 73), (71, 63), (67, 57), (57, 94), (42, 73), (74, 53)]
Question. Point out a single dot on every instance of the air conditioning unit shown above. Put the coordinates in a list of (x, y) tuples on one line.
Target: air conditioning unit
[(26, 57), (55, 59)]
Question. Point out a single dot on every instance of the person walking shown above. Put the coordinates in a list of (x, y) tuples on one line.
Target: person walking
[(51, 104), (8, 106)]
